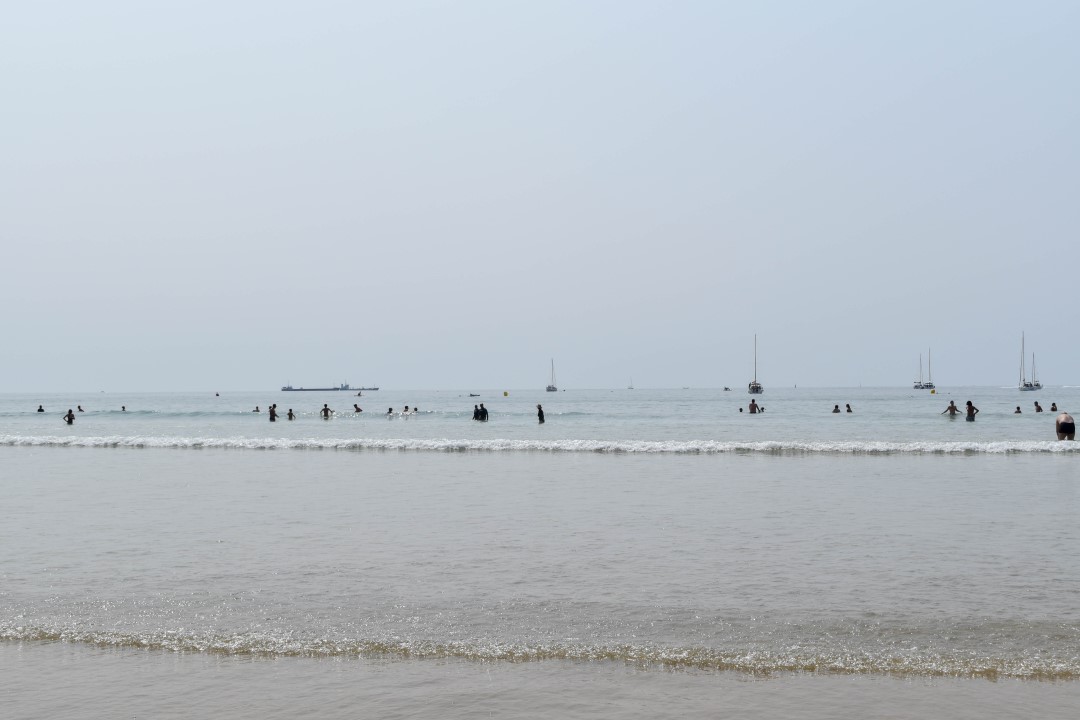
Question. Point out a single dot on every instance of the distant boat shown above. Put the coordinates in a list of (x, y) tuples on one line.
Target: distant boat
[(1026, 384), (551, 386), (631, 385), (929, 384), (755, 388), (343, 386)]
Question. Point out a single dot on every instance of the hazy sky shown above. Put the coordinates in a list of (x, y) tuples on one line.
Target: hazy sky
[(237, 195)]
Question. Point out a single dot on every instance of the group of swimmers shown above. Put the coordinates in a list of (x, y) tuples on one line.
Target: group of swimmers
[(326, 412), (1064, 425), (69, 416)]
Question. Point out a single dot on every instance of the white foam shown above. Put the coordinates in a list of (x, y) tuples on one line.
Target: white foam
[(669, 447)]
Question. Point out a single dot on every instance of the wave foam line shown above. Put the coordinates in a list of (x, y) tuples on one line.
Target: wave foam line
[(756, 662), (686, 447)]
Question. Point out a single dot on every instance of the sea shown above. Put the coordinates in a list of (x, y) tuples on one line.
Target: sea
[(643, 553)]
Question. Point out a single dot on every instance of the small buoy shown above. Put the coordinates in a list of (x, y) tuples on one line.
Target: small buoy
[(934, 391), (506, 394)]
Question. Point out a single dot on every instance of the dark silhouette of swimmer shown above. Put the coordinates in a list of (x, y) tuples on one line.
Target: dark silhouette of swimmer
[(123, 408), (1053, 407), (475, 412), (291, 416), (273, 413), (1038, 407), (952, 409), (79, 408), (70, 417), (40, 409), (483, 413), (972, 411), (256, 409), (848, 407), (753, 408), (356, 408), (836, 408), (389, 412), (1065, 426), (540, 413), (326, 412), (1017, 410)]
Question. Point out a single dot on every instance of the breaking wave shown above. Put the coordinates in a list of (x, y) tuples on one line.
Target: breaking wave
[(745, 660), (660, 447)]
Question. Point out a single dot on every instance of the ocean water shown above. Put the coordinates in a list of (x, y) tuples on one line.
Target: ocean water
[(642, 553)]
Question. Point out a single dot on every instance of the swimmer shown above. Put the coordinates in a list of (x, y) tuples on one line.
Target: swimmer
[(390, 412), (1053, 407), (1065, 426), (356, 408), (326, 412), (273, 413), (123, 408), (291, 415), (79, 407), (40, 409), (753, 408), (848, 407), (1038, 407), (256, 409), (540, 413), (836, 408), (475, 412), (483, 413), (952, 409), (70, 417), (1017, 410), (972, 411)]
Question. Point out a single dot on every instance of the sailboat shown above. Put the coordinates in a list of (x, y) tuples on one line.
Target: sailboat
[(1026, 384), (551, 386), (631, 385), (755, 388), (929, 384)]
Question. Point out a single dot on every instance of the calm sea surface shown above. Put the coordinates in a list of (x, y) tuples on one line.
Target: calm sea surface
[(643, 553)]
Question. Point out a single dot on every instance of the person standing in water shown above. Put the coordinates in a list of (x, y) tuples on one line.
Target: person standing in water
[(291, 416), (70, 417), (848, 406), (273, 413), (326, 412), (40, 408), (972, 411), (483, 413), (476, 412), (753, 407), (952, 409), (1038, 407), (540, 413), (1065, 426), (1017, 410), (836, 408)]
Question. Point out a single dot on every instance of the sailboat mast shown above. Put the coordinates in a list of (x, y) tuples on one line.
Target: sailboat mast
[(1023, 375), (755, 357)]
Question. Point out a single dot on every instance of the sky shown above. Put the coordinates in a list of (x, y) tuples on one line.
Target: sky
[(239, 195)]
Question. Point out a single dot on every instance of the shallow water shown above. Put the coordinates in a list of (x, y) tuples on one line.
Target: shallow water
[(586, 554)]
